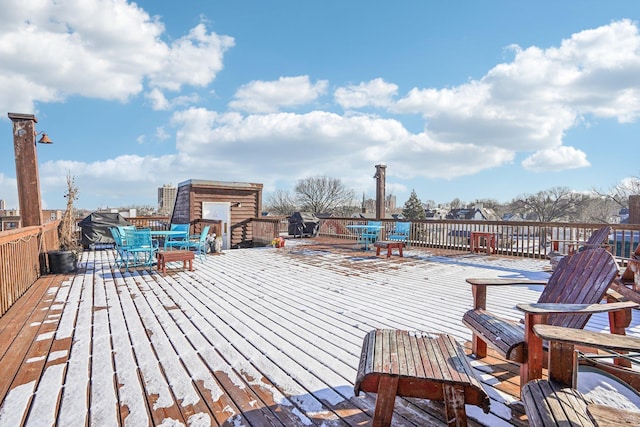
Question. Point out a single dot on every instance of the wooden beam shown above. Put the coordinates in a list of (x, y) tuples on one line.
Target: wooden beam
[(24, 137)]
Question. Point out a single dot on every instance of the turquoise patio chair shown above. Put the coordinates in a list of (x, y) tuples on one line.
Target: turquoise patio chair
[(121, 253), (139, 247), (401, 233), (122, 229), (372, 233), (177, 241), (200, 243)]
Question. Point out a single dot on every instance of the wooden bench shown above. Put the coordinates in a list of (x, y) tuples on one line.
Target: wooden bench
[(417, 364), (389, 245), (172, 256)]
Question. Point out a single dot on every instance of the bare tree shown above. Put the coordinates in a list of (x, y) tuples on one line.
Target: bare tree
[(281, 202), (555, 204), (346, 211), (323, 194), (429, 204), (598, 209), (497, 207), (66, 228), (620, 192), (456, 203)]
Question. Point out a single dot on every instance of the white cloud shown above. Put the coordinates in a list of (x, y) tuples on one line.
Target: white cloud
[(376, 93), (529, 103), (233, 147), (158, 100), (559, 158), (96, 48), (323, 143), (526, 105), (271, 96), (161, 133), (194, 60)]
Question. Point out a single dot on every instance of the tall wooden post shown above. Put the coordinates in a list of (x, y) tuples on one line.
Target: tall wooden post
[(381, 177), (634, 209), (24, 144)]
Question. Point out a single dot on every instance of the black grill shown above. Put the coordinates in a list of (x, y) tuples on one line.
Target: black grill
[(303, 224)]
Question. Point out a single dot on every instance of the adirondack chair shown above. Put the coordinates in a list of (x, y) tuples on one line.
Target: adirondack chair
[(401, 232), (562, 400), (631, 274), (596, 240), (580, 280)]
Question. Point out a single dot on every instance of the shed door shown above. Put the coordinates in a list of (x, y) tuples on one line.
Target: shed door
[(222, 212)]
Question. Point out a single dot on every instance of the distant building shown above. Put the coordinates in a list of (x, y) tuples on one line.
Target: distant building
[(124, 212), (390, 202), (2, 205), (10, 219), (436, 213), (369, 205), (475, 213), (166, 199)]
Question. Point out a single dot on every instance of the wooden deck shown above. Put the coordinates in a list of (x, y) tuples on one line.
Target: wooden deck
[(255, 337)]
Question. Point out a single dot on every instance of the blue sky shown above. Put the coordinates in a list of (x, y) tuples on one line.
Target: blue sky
[(459, 99)]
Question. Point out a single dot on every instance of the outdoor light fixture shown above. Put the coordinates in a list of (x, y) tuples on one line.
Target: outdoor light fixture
[(237, 204), (44, 139)]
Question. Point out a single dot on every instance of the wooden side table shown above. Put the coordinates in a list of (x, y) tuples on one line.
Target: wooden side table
[(172, 256), (417, 364), (489, 241), (389, 245)]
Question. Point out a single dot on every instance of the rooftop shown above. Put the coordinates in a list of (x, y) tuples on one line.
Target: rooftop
[(250, 337)]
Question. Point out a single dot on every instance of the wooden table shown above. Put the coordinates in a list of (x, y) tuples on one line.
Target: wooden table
[(172, 256), (417, 364), (489, 241)]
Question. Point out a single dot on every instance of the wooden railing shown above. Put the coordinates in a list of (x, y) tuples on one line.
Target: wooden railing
[(265, 229), (23, 251), (23, 259), (521, 239)]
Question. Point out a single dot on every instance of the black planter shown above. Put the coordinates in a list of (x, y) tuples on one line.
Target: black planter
[(61, 262)]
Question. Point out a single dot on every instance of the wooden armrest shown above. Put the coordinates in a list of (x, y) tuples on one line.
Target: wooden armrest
[(587, 338), (626, 292), (612, 416), (551, 308), (503, 282)]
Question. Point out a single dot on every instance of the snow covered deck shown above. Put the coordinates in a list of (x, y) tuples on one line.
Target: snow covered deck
[(250, 337)]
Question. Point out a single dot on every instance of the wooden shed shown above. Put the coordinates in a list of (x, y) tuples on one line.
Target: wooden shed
[(229, 206)]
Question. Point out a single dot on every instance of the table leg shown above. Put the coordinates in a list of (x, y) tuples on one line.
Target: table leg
[(454, 412), (387, 388)]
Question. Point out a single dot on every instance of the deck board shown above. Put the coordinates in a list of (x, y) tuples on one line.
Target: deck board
[(251, 337)]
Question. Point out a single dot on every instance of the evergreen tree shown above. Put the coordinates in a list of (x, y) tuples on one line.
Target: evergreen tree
[(413, 207)]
